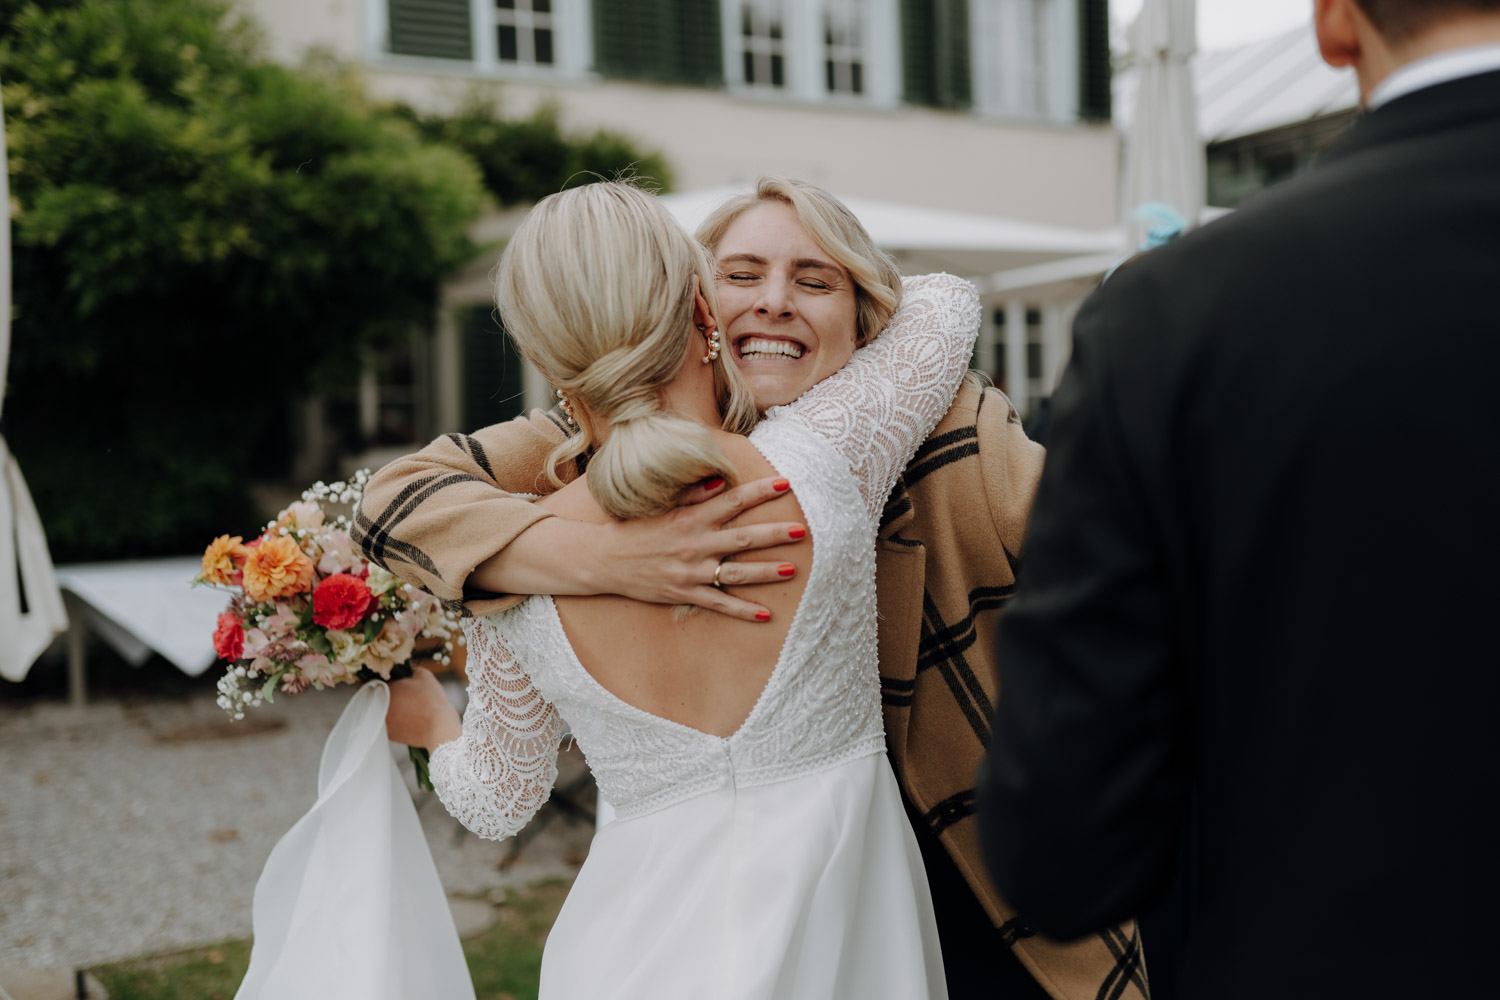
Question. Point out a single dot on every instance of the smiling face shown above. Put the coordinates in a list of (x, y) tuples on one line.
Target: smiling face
[(787, 308)]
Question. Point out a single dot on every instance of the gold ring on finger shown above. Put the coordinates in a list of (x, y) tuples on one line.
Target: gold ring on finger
[(716, 576)]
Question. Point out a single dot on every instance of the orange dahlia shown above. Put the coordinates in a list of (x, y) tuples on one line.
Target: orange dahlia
[(222, 558), (277, 567)]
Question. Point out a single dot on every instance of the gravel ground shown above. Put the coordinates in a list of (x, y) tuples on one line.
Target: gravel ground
[(128, 829)]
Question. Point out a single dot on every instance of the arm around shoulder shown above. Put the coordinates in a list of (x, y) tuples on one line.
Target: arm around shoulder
[(432, 516)]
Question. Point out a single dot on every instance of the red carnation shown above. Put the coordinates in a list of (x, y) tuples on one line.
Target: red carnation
[(229, 637), (341, 601)]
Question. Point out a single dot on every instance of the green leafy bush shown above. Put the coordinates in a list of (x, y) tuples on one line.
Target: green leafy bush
[(526, 159), (201, 237)]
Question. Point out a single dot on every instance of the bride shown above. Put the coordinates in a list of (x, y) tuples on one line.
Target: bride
[(760, 848)]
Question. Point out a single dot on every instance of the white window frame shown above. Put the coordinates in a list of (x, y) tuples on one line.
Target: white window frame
[(805, 52), (765, 47), (572, 43), (844, 55), (1007, 82), (526, 22)]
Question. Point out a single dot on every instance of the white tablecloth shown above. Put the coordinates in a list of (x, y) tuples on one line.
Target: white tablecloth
[(146, 605)]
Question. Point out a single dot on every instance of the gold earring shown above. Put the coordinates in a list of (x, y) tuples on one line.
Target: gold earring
[(567, 408), (713, 347)]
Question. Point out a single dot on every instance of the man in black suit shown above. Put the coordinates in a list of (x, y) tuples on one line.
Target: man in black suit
[(1264, 560)]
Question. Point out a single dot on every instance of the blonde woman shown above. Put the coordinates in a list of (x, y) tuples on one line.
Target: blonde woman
[(760, 848)]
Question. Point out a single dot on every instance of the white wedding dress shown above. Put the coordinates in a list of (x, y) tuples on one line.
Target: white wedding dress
[(776, 864)]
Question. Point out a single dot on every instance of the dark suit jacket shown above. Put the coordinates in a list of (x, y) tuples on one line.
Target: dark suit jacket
[(1260, 580)]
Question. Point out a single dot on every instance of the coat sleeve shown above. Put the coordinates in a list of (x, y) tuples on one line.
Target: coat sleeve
[(1011, 464), (1084, 791), (432, 516)]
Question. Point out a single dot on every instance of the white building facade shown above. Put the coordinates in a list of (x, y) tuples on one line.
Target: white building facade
[(996, 107)]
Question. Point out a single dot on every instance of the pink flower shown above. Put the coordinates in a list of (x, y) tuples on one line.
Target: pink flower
[(304, 514), (392, 646), (339, 555), (229, 637), (256, 642), (341, 601), (283, 622), (319, 670), (293, 683)]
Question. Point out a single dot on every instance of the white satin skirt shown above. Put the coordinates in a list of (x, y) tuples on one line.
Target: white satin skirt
[(349, 905), (808, 889)]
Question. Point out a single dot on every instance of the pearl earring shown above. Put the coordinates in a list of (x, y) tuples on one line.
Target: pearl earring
[(713, 348), (567, 408)]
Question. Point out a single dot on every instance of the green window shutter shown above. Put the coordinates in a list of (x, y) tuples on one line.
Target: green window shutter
[(935, 52), (666, 41), (436, 28), (1095, 72)]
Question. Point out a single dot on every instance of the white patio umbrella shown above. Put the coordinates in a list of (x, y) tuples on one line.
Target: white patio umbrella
[(968, 244), (31, 607), (1164, 160)]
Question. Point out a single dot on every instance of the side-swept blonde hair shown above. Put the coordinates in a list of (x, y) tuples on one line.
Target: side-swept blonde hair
[(877, 282), (596, 289)]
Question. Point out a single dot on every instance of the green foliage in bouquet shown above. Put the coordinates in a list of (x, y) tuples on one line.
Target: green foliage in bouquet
[(200, 238)]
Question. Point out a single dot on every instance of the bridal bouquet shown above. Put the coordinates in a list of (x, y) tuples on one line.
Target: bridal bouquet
[(307, 611)]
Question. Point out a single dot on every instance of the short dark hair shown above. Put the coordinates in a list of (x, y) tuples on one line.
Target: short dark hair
[(1399, 20)]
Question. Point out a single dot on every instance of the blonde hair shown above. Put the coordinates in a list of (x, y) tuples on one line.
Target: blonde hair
[(877, 282), (596, 289)]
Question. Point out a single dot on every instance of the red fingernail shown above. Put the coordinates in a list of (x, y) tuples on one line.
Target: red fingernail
[(714, 483), (762, 616), (781, 486), (798, 532), (786, 569)]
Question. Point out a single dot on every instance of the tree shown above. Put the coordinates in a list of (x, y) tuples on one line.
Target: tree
[(526, 159), (201, 237)]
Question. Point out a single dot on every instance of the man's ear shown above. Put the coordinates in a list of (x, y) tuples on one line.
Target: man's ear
[(1336, 23)]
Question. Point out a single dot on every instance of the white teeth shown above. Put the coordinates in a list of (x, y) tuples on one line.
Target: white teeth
[(757, 349)]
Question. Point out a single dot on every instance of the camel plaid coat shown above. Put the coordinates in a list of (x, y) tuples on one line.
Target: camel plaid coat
[(950, 540)]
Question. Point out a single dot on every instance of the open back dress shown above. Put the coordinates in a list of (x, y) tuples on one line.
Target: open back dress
[(776, 863)]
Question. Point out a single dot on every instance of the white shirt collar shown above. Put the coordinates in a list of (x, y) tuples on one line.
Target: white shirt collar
[(1443, 67)]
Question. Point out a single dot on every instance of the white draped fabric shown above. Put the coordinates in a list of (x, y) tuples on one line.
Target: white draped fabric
[(350, 906), (31, 608), (141, 606), (1164, 161)]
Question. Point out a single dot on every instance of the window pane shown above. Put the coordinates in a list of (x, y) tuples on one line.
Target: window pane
[(542, 6), (749, 67), (507, 42), (544, 46), (777, 77), (828, 75), (843, 45), (506, 4)]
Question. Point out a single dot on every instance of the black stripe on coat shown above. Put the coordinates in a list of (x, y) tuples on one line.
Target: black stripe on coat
[(475, 450), (943, 646), (1128, 969), (959, 805), (374, 537)]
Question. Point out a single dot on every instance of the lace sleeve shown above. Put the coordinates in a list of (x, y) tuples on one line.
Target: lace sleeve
[(879, 407), (496, 775)]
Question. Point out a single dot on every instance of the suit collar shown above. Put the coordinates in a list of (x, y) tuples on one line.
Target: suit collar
[(1431, 109)]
